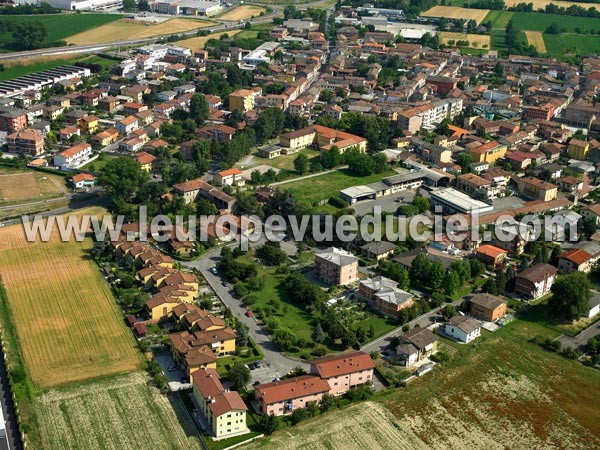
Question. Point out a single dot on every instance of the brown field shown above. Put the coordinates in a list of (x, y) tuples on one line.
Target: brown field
[(501, 392), (133, 29), (455, 12), (242, 12), (482, 40), (536, 39), (542, 3), (118, 413), (197, 43), (67, 322), (18, 187)]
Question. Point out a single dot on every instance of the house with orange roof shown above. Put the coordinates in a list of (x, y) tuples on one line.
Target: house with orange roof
[(73, 156), (575, 260), (489, 152), (83, 180), (224, 410), (88, 124), (230, 177), (344, 372), (283, 397), (105, 137), (491, 255), (146, 161)]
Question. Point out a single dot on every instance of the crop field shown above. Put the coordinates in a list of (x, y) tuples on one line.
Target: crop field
[(500, 392), (118, 413), (59, 26), (455, 12), (67, 322), (537, 4), (19, 187), (481, 40), (197, 43), (328, 185), (125, 29), (536, 38), (564, 44), (540, 21), (242, 12)]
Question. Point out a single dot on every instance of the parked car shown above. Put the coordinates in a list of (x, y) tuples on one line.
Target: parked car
[(248, 313)]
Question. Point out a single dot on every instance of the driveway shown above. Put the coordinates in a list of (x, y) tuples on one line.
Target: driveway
[(388, 203), (579, 341)]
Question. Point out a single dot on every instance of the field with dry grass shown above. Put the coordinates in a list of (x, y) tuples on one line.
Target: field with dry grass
[(197, 43), (18, 187), (455, 12), (537, 4), (482, 40), (67, 322), (126, 29), (536, 39), (242, 12), (118, 413), (500, 392)]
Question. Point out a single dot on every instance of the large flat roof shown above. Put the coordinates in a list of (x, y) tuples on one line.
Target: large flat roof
[(460, 201)]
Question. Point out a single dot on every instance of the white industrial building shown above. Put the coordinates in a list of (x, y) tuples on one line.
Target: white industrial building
[(84, 4), (187, 7)]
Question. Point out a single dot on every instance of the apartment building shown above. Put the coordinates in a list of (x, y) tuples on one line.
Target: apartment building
[(384, 295), (28, 141), (430, 114), (73, 156), (344, 372), (283, 397), (336, 266)]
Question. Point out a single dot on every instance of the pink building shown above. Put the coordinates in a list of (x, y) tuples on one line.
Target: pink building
[(336, 266), (283, 397), (345, 371)]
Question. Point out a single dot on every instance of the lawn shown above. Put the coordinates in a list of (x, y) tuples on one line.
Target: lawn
[(59, 26), (99, 162), (19, 68), (67, 322), (329, 185), (252, 33), (17, 186), (120, 412), (501, 391), (286, 162)]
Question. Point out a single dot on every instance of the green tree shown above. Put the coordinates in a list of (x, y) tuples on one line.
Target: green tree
[(268, 423), (238, 376), (570, 296), (449, 311), (122, 178), (301, 164), (451, 283), (199, 109), (422, 203), (30, 34), (435, 276), (318, 335), (129, 5), (464, 160)]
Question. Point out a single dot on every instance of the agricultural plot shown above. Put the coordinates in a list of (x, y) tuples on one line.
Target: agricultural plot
[(196, 43), (126, 29), (328, 185), (117, 413), (454, 12), (59, 26), (475, 40), (570, 24), (242, 12), (20, 187), (537, 4), (67, 321), (568, 44), (536, 39)]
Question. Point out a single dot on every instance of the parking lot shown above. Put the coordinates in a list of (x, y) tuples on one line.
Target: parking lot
[(176, 378), (388, 203), (263, 374)]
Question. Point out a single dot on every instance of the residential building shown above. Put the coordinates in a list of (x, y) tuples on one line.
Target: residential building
[(73, 156), (536, 280), (28, 141), (575, 259), (12, 120), (384, 295), (578, 149), (345, 371), (230, 177), (487, 307), (416, 345), (105, 137), (477, 186), (463, 329), (223, 410), (88, 124), (220, 133), (536, 188), (243, 99), (299, 139), (83, 180), (336, 266), (489, 152), (491, 255), (429, 114), (192, 189), (146, 161), (127, 125), (378, 250), (283, 397)]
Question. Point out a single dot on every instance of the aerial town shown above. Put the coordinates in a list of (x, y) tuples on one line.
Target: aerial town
[(135, 337)]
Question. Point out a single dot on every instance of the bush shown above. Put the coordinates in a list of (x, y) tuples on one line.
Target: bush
[(338, 202), (318, 352), (440, 357)]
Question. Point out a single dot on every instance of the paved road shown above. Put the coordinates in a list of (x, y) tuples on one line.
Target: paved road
[(579, 341), (13, 437), (279, 363)]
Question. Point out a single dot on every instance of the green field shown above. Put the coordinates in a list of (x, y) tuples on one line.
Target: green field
[(60, 26), (99, 162), (19, 70), (501, 391), (563, 44), (540, 21), (329, 185)]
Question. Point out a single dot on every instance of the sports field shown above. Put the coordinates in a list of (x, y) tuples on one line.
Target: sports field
[(118, 413), (455, 12), (536, 38), (20, 187), (475, 40), (67, 321), (242, 12), (126, 29)]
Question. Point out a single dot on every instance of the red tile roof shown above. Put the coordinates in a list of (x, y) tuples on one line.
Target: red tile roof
[(333, 366), (297, 387)]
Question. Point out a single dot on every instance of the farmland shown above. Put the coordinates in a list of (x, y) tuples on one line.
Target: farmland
[(242, 12), (119, 412), (196, 43), (536, 39), (563, 44), (454, 12), (125, 29), (540, 21), (525, 398), (19, 187), (475, 40), (328, 185), (60, 26), (68, 325), (537, 4)]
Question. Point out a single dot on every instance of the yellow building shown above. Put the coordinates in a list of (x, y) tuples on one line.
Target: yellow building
[(489, 152), (536, 188), (243, 99), (224, 410), (298, 139), (160, 307), (578, 149), (88, 124)]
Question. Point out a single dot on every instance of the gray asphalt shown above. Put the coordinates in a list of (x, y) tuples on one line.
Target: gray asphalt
[(579, 341)]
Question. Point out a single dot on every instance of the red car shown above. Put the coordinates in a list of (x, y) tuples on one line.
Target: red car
[(248, 313)]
